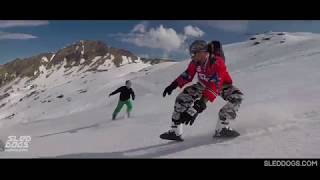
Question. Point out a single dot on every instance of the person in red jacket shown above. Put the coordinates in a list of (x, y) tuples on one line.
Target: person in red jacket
[(213, 80)]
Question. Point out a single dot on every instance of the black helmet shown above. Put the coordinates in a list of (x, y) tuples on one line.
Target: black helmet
[(198, 45)]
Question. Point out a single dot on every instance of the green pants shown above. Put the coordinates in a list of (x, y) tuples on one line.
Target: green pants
[(120, 105)]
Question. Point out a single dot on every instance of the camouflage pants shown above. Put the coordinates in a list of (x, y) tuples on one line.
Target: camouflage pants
[(234, 97), (185, 100)]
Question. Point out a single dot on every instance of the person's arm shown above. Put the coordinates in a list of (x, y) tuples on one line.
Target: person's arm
[(218, 52), (187, 76), (115, 92), (132, 94), (184, 78), (225, 76)]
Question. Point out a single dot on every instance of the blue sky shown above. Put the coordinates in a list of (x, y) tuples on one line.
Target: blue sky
[(152, 38)]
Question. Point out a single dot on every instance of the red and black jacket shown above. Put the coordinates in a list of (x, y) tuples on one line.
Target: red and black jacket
[(212, 75)]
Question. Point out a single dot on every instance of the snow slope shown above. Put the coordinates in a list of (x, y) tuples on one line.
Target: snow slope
[(76, 84), (279, 117)]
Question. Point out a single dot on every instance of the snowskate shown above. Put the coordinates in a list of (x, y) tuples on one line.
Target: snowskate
[(226, 132), (171, 135)]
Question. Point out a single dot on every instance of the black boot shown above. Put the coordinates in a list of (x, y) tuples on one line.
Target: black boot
[(171, 135), (226, 132)]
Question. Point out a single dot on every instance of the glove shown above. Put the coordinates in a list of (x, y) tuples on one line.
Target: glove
[(199, 106), (188, 116), (170, 88), (191, 114)]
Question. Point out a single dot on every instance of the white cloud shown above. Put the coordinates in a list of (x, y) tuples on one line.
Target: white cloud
[(193, 31), (18, 36), (239, 26), (21, 23), (140, 28), (160, 37)]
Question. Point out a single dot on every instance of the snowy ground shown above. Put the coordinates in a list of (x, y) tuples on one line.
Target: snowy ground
[(279, 117)]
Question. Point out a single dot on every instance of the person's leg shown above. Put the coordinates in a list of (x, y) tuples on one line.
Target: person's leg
[(229, 111), (182, 103), (117, 110), (129, 107)]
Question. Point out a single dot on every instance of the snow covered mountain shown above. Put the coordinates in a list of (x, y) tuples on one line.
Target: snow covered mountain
[(79, 57), (279, 118), (35, 81)]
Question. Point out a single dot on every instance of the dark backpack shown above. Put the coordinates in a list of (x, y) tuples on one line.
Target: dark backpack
[(215, 48)]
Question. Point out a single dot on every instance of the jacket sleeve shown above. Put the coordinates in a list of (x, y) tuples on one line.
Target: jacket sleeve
[(227, 78), (116, 91), (187, 76), (132, 94), (223, 74)]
